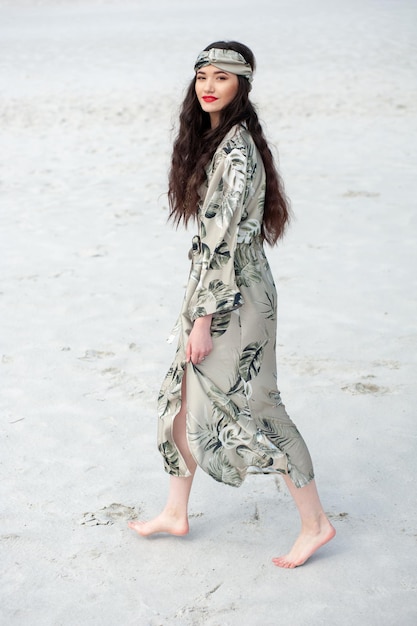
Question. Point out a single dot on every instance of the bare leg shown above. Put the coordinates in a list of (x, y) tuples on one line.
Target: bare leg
[(174, 517), (316, 530)]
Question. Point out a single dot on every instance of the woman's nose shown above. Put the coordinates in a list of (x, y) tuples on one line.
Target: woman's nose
[(209, 85)]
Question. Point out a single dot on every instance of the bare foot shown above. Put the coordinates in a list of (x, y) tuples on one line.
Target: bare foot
[(164, 523), (306, 544)]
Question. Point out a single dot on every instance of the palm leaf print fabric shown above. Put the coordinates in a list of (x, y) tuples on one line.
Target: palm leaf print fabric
[(235, 416)]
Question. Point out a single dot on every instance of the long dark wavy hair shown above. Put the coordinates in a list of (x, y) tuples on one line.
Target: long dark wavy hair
[(196, 144)]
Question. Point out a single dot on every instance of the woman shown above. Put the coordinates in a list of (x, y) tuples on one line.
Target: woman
[(219, 406)]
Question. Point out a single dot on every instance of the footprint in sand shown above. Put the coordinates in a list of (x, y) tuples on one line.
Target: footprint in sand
[(109, 515), (362, 388), (93, 355), (337, 516)]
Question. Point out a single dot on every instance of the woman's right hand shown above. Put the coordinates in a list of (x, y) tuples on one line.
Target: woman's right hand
[(200, 343)]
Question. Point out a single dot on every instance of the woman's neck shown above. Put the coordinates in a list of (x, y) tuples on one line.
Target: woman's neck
[(214, 120)]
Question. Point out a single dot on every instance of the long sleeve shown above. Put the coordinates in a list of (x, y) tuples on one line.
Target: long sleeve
[(214, 248)]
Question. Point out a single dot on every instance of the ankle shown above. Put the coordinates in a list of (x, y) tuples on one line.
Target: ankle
[(314, 524), (175, 512)]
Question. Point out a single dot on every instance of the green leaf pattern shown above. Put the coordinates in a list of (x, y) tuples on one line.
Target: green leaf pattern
[(251, 360), (221, 256), (247, 267)]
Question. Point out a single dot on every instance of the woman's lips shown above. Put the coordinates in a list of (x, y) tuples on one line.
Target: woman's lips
[(209, 98)]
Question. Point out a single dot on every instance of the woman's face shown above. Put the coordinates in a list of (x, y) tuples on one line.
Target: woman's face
[(215, 89)]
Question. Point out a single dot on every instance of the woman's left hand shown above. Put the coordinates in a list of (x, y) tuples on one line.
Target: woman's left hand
[(200, 343)]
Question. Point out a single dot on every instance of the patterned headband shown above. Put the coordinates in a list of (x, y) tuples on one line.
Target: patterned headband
[(226, 60)]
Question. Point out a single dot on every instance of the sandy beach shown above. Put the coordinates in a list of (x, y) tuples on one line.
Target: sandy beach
[(92, 278)]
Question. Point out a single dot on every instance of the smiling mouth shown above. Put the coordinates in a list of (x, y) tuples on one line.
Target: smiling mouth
[(209, 98)]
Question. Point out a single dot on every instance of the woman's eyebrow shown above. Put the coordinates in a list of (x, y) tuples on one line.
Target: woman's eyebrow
[(217, 71)]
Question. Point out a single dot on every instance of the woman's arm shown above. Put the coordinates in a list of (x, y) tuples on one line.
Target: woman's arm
[(220, 215)]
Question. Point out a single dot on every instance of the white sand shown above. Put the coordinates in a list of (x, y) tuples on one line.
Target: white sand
[(92, 278)]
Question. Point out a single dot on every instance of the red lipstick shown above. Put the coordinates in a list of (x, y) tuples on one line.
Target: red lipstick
[(209, 98)]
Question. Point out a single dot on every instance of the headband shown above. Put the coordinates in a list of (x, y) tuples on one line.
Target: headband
[(226, 60)]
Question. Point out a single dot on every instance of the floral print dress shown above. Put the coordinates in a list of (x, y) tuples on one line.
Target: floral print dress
[(235, 416)]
